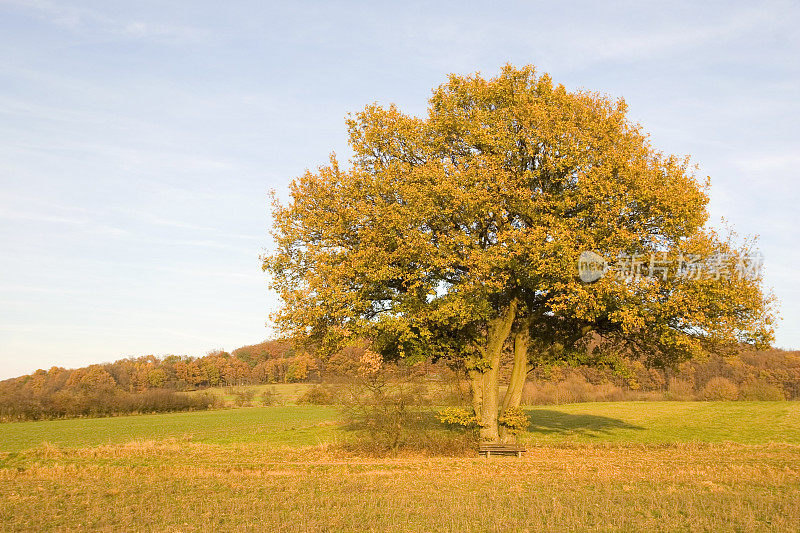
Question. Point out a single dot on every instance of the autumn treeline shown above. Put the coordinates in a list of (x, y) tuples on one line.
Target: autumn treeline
[(743, 374), (747, 374), (148, 384)]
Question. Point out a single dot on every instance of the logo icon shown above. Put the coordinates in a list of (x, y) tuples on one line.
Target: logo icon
[(591, 266)]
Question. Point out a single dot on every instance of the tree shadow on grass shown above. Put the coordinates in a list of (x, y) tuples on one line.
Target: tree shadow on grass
[(548, 422)]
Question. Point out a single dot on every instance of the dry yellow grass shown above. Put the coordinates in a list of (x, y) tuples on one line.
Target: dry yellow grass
[(176, 485)]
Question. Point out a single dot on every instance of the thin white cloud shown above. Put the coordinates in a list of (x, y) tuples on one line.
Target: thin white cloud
[(38, 290), (776, 162), (648, 44), (9, 201), (10, 214), (451, 44), (44, 214), (159, 220), (202, 243), (82, 19), (185, 335)]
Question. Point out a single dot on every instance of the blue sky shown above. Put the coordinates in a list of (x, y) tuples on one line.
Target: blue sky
[(138, 140)]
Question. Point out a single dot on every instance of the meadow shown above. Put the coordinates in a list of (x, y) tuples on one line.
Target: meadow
[(311, 425), (670, 466)]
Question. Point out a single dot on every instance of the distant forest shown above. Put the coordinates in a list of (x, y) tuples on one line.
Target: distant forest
[(150, 384)]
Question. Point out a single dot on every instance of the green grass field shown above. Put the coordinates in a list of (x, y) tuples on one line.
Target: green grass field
[(284, 393), (287, 425), (633, 466), (613, 422)]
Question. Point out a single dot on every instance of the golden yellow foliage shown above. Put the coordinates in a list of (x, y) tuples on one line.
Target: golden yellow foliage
[(448, 234)]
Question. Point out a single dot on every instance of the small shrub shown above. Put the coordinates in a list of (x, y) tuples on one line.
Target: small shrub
[(608, 392), (243, 397), (429, 442), (680, 390), (574, 389), (570, 390), (540, 393), (457, 416), (761, 391), (452, 389), (386, 408), (317, 395), (720, 388), (269, 396), (515, 420)]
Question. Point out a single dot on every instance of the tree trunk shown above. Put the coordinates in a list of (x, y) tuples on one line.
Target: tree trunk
[(519, 371), (519, 374), (499, 330), (476, 384)]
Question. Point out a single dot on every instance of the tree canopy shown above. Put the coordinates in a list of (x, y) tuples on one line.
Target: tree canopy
[(458, 235)]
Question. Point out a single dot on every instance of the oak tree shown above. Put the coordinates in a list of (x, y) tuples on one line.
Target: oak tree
[(457, 235)]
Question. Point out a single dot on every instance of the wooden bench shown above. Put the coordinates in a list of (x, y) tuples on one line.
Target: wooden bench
[(491, 448)]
